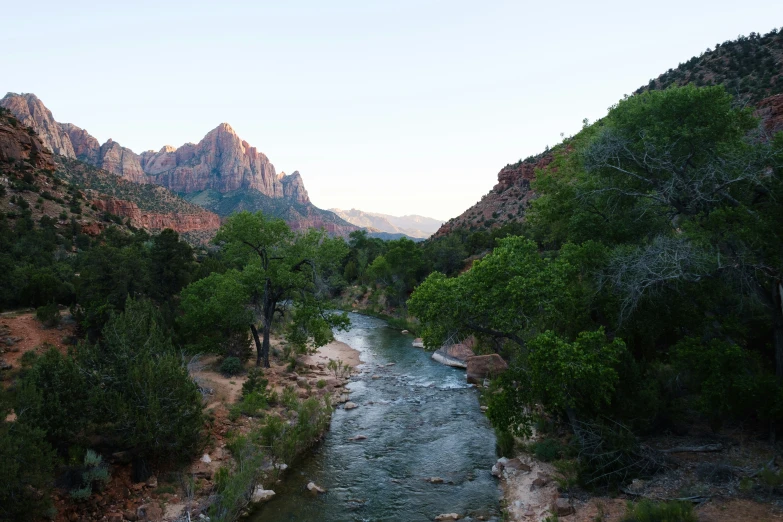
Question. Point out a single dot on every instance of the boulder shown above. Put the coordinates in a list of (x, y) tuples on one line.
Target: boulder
[(418, 343), (350, 405), (516, 465), (149, 513), (315, 488), (435, 480), (455, 355), (480, 367), (562, 508), (261, 495), (447, 516)]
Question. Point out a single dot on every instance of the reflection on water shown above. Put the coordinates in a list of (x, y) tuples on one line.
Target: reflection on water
[(421, 420)]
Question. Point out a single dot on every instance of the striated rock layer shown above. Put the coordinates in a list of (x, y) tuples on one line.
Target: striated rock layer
[(204, 221)]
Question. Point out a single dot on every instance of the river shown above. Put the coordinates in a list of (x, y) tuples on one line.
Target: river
[(421, 421)]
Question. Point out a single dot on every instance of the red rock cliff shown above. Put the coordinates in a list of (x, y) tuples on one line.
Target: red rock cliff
[(158, 221)]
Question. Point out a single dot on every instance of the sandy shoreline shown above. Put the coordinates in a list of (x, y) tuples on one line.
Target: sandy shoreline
[(335, 350)]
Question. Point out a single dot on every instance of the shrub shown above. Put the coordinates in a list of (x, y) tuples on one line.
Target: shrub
[(147, 396), (49, 314), (55, 397), (648, 511), (504, 446), (547, 450), (26, 463), (255, 382), (231, 366), (235, 489), (92, 476), (320, 384)]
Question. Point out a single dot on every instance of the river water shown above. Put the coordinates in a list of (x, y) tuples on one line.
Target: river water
[(421, 421)]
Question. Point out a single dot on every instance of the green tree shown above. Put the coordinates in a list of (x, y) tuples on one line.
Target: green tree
[(278, 271)]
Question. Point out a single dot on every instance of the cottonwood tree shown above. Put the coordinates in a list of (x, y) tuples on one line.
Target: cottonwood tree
[(710, 168), (279, 273)]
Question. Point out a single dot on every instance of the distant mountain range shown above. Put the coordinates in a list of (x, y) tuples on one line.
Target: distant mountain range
[(412, 225), (222, 173)]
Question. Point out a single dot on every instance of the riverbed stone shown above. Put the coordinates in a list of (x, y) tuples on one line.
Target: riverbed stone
[(261, 495), (315, 488), (350, 405), (447, 516), (480, 367), (435, 480)]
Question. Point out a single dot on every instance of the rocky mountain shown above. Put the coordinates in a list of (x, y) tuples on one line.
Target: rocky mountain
[(222, 171), (751, 68), (56, 185), (412, 225)]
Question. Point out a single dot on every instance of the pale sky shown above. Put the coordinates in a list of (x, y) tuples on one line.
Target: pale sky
[(400, 107)]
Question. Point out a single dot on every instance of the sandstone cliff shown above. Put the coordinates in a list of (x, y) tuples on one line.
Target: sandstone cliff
[(199, 221), (221, 163), (31, 112), (17, 144)]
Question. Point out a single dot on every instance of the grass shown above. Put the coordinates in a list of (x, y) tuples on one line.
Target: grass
[(648, 511)]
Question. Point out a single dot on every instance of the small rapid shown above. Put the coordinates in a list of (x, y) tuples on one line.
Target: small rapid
[(421, 421)]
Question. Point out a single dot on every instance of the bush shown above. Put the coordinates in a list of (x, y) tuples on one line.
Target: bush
[(648, 511), (504, 446), (26, 463), (255, 383), (49, 314), (235, 489), (147, 395), (547, 450), (55, 397), (231, 366), (92, 476)]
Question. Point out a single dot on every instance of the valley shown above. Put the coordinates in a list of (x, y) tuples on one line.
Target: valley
[(185, 335)]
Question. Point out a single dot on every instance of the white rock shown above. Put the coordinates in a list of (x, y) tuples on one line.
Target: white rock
[(350, 405), (205, 458), (315, 488), (261, 495), (447, 516), (404, 332)]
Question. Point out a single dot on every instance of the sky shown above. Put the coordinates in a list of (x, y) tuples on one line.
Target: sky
[(399, 107)]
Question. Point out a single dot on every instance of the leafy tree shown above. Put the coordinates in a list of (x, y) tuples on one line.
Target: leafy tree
[(277, 269), (170, 265)]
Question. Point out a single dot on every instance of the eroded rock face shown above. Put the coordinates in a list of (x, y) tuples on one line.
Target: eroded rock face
[(155, 221), (505, 203), (31, 112), (17, 144), (121, 161), (221, 161), (770, 110)]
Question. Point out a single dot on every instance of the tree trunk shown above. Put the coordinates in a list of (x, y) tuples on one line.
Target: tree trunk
[(258, 344), (265, 351), (777, 325)]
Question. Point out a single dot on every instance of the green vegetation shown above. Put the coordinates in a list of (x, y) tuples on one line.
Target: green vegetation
[(648, 511), (272, 268), (645, 282)]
